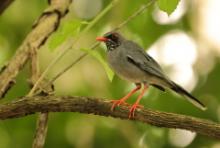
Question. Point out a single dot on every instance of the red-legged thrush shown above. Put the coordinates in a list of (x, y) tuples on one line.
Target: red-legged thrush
[(131, 62)]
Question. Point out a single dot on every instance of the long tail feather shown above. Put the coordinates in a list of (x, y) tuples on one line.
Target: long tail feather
[(178, 89)]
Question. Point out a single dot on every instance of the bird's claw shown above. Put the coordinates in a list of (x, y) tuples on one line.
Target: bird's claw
[(117, 103), (133, 108)]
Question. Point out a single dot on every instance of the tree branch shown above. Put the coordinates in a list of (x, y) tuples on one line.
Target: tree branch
[(46, 24), (30, 105), (41, 131)]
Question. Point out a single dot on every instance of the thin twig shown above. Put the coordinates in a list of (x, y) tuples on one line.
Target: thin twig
[(34, 66), (41, 131), (90, 105), (68, 67)]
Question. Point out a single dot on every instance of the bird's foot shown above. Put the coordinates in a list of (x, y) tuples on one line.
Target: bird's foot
[(117, 103), (133, 108)]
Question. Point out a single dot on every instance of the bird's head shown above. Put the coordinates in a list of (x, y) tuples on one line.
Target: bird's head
[(111, 39)]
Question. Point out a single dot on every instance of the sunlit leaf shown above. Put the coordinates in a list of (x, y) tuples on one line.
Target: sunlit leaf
[(67, 29), (168, 5), (98, 56)]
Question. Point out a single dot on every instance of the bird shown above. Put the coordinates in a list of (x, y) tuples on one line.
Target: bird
[(132, 63)]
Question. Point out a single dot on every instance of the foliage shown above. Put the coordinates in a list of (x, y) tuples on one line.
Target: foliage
[(98, 56), (168, 5)]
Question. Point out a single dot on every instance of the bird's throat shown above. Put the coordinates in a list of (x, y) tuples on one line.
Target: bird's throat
[(112, 45)]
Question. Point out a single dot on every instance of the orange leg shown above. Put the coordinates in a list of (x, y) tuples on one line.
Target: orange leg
[(136, 104), (122, 100)]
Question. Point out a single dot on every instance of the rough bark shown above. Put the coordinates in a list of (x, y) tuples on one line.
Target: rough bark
[(30, 105)]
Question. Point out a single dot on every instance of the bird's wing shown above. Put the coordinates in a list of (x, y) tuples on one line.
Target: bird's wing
[(137, 56)]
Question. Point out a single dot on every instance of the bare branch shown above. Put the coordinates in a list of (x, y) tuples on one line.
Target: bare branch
[(42, 29), (34, 66), (41, 131), (89, 105), (68, 67)]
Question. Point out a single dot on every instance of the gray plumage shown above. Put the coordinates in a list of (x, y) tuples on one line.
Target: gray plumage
[(132, 63)]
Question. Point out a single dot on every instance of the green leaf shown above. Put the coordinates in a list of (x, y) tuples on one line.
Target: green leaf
[(168, 5), (66, 30), (98, 56)]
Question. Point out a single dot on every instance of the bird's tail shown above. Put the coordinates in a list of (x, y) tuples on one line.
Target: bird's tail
[(178, 89)]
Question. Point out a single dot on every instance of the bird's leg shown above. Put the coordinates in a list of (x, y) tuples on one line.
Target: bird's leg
[(136, 104), (122, 100)]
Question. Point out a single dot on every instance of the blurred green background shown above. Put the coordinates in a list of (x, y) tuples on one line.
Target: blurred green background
[(186, 44)]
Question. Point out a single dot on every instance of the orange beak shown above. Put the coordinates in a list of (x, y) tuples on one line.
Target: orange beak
[(101, 39)]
